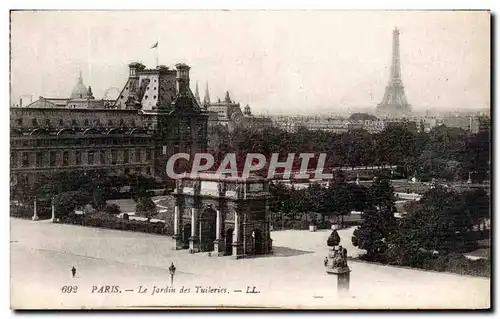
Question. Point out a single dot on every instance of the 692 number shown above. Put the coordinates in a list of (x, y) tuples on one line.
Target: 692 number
[(69, 289)]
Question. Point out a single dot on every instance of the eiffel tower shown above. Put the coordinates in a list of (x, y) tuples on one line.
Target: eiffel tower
[(394, 103)]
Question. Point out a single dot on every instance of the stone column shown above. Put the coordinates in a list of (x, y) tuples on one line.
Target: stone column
[(193, 240), (218, 243), (177, 236), (236, 242), (217, 225), (176, 221), (35, 216)]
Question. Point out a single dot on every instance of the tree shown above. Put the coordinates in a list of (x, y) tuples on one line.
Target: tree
[(378, 221), (112, 209), (145, 206), (333, 239), (440, 224), (382, 195), (476, 205), (65, 203), (342, 200)]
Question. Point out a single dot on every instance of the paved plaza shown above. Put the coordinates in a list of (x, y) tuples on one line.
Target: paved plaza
[(43, 253)]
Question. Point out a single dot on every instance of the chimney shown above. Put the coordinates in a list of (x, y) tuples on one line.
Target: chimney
[(134, 67), (182, 77)]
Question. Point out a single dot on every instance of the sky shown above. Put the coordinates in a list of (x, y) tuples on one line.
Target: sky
[(278, 62)]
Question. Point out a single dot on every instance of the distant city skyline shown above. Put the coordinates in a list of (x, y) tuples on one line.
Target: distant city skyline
[(279, 62)]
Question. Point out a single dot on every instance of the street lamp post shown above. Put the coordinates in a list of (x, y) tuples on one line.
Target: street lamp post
[(253, 242), (53, 210), (35, 216), (171, 269)]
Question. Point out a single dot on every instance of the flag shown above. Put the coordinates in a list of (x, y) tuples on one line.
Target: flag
[(154, 45)]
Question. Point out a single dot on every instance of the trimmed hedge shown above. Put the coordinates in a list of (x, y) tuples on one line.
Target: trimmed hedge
[(459, 264), (102, 220), (453, 262)]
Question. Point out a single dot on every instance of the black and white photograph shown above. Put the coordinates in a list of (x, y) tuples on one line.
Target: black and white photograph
[(250, 159)]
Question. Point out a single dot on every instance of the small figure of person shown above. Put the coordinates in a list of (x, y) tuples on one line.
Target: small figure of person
[(73, 271), (326, 261)]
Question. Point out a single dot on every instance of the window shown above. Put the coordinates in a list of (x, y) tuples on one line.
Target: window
[(145, 97), (34, 122), (78, 157), (61, 123), (127, 171), (137, 155), (132, 122), (39, 159), (26, 160), (47, 122), (148, 155), (148, 170), (65, 158), (52, 156), (90, 157), (73, 122), (110, 123), (147, 88), (122, 123), (102, 157), (20, 122), (86, 122), (114, 157), (125, 156)]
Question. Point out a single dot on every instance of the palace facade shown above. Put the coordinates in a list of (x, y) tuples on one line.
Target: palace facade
[(155, 116)]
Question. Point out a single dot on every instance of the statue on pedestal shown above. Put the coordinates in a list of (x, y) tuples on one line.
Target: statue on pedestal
[(336, 262)]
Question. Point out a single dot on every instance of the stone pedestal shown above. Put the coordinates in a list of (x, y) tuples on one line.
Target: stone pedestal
[(219, 248), (194, 244), (238, 250), (178, 242), (336, 264), (343, 279)]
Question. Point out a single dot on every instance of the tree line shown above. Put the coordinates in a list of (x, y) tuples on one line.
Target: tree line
[(444, 152), (432, 233)]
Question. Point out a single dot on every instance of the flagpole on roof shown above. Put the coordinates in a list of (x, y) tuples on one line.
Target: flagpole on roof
[(157, 44)]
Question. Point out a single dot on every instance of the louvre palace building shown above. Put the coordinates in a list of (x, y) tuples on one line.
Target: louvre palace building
[(155, 115)]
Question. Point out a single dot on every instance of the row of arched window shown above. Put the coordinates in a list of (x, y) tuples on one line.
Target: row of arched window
[(75, 122)]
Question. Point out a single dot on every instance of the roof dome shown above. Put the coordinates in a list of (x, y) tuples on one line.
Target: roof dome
[(79, 91)]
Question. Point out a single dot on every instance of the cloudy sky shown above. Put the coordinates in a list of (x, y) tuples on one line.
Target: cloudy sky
[(279, 62)]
